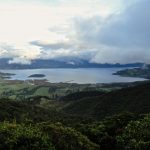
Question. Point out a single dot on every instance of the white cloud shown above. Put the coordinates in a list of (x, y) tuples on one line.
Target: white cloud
[(92, 29), (122, 37), (26, 21)]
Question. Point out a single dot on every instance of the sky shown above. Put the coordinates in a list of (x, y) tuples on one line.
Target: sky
[(110, 31)]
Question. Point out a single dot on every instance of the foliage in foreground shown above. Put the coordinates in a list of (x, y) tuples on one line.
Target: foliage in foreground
[(23, 137), (136, 135), (42, 137), (66, 138), (121, 132)]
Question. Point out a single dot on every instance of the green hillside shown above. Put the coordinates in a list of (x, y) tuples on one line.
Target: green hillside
[(89, 120), (134, 99)]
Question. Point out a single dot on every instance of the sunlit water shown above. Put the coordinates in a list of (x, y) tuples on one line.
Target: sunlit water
[(80, 75)]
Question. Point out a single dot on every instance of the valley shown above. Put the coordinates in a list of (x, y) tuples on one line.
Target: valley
[(23, 89)]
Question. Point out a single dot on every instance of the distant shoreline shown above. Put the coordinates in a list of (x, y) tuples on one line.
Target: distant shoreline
[(80, 75), (135, 72)]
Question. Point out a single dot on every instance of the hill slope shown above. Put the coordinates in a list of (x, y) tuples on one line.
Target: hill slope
[(134, 99), (90, 104)]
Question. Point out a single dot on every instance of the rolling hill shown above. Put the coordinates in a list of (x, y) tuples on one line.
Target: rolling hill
[(133, 99), (85, 104)]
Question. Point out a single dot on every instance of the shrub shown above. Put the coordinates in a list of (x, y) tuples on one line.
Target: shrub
[(23, 137)]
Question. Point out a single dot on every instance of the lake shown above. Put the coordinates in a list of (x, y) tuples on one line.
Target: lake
[(79, 75)]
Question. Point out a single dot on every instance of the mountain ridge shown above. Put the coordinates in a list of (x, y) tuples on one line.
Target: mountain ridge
[(52, 63)]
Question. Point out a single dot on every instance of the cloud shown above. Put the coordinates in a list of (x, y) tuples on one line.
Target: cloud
[(20, 60), (51, 46), (63, 51), (96, 30), (49, 21), (19, 55), (122, 37), (130, 28)]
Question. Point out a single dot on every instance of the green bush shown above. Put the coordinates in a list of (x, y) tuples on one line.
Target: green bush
[(104, 132), (23, 137), (136, 135), (65, 138)]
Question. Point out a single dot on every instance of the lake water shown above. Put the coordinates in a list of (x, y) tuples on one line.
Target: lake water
[(80, 75)]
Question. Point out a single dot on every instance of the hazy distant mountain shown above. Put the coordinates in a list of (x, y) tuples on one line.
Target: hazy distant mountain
[(69, 63)]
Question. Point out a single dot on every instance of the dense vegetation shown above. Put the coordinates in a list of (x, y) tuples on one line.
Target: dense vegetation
[(120, 132), (89, 120), (133, 99), (20, 137)]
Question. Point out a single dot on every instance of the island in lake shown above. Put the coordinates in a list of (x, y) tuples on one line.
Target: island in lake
[(37, 76), (143, 72), (6, 75)]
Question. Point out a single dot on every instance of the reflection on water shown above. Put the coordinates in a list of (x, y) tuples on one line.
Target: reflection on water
[(80, 75)]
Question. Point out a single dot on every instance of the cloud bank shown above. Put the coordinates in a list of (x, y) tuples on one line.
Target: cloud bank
[(95, 30), (122, 37)]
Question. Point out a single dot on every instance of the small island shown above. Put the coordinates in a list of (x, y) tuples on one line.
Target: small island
[(6, 75), (143, 72), (36, 76)]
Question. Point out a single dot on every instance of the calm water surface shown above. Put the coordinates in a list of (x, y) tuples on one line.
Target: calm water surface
[(80, 75)]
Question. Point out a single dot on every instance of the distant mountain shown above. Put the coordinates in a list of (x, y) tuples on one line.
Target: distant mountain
[(49, 63)]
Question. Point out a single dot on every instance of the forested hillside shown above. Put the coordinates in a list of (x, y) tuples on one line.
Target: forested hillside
[(116, 120), (133, 99)]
